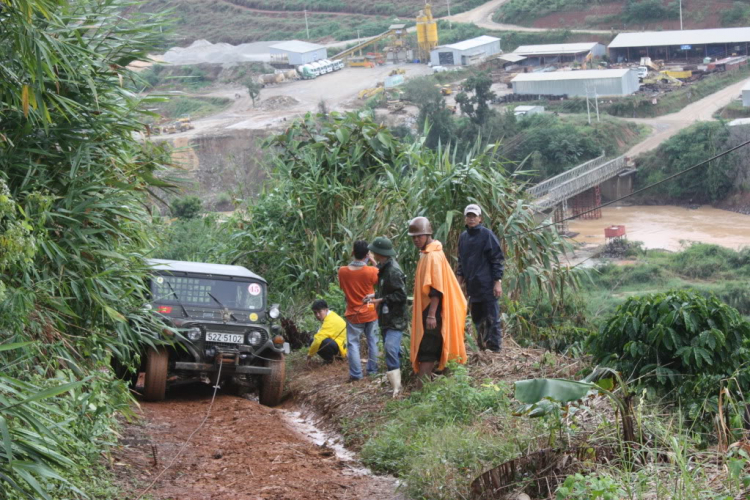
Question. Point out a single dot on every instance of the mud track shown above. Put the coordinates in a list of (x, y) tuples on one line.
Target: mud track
[(245, 451)]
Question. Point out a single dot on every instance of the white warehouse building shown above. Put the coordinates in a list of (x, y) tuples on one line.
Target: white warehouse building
[(746, 95), (467, 52), (296, 52), (605, 82)]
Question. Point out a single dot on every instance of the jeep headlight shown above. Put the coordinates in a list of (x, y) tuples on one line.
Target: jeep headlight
[(194, 333), (274, 311), (254, 338)]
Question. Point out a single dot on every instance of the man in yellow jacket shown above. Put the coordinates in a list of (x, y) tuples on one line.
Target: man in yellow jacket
[(330, 341), (439, 312)]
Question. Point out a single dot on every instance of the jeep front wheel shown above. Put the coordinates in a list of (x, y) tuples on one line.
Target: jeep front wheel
[(155, 384), (272, 385)]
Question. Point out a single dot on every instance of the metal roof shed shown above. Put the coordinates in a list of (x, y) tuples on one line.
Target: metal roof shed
[(607, 82), (298, 52), (562, 49), (467, 52), (720, 42)]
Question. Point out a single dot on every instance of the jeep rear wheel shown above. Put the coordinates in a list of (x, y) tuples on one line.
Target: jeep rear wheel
[(155, 384), (272, 385)]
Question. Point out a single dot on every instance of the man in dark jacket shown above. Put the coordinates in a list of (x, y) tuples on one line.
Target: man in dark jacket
[(480, 271), (390, 302)]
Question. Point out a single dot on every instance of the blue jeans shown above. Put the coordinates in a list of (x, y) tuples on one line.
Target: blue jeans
[(353, 333), (392, 343)]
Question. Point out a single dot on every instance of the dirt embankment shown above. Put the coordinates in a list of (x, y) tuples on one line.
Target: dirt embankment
[(325, 390), (245, 451)]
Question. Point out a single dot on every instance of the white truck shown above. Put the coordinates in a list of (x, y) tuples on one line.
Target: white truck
[(523, 111)]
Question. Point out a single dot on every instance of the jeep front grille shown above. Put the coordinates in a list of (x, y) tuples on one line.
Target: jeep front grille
[(224, 346)]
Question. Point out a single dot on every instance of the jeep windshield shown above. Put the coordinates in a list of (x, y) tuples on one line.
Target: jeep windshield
[(196, 291)]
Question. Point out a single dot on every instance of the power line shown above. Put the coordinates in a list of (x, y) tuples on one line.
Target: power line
[(666, 179)]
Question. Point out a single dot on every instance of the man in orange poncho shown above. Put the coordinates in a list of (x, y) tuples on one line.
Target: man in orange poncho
[(439, 312)]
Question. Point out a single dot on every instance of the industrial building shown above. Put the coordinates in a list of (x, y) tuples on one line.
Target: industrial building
[(296, 52), (746, 95), (605, 82), (467, 52), (680, 45), (559, 53)]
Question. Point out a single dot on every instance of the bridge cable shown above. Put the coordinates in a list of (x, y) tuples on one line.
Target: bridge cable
[(666, 179), (184, 445)]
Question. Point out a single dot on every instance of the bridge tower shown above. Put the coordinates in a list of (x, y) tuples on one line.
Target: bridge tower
[(585, 205)]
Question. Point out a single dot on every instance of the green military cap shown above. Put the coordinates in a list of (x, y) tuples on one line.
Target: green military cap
[(382, 246)]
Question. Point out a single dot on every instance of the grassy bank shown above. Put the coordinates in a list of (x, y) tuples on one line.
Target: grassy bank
[(192, 107), (733, 110), (709, 269)]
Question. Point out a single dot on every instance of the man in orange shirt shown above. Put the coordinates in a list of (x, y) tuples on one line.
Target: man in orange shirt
[(439, 312), (357, 280)]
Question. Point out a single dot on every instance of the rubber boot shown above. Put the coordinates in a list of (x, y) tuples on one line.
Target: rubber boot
[(394, 377)]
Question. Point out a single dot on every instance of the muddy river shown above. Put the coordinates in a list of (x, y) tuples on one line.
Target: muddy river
[(668, 226)]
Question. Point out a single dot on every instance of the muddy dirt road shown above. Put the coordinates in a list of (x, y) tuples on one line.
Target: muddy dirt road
[(289, 100), (666, 126), (245, 451)]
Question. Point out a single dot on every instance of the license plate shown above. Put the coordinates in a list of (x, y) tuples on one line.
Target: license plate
[(229, 338)]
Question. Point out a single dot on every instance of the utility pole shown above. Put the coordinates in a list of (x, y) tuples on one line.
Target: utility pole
[(450, 23), (307, 28), (680, 15), (588, 109), (596, 102)]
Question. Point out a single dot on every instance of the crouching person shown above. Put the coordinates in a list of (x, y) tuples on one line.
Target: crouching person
[(330, 341), (390, 302)]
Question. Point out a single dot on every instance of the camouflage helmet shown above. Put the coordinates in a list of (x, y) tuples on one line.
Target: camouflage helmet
[(419, 226)]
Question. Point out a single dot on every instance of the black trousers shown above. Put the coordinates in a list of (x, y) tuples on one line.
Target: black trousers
[(328, 350), (486, 317)]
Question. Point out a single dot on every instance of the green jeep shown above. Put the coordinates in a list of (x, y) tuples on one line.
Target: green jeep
[(227, 330)]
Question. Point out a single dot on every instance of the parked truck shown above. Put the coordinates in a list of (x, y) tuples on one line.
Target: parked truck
[(523, 111)]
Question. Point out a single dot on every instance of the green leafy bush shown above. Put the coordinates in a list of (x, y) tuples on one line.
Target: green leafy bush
[(678, 344), (186, 207), (590, 487), (434, 441)]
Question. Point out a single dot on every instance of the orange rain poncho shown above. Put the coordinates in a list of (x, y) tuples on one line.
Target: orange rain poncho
[(434, 271)]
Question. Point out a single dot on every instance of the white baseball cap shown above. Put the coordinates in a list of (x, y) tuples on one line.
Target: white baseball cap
[(472, 208)]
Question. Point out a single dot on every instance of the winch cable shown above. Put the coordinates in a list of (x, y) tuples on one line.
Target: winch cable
[(666, 179), (187, 441)]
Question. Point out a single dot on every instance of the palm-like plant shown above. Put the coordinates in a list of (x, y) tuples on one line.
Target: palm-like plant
[(73, 223)]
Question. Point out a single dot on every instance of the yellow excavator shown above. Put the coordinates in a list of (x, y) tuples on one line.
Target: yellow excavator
[(367, 93)]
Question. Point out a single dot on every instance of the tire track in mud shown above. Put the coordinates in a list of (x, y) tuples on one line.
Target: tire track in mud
[(245, 451)]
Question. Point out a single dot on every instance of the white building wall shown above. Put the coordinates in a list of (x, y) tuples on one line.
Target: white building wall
[(625, 85), (461, 57), (746, 95), (297, 58)]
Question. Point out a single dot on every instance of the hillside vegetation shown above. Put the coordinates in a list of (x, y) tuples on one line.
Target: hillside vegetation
[(624, 14), (242, 21)]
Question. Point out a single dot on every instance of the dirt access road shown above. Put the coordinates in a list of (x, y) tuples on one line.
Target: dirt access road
[(667, 126), (245, 451), (289, 100), (482, 17)]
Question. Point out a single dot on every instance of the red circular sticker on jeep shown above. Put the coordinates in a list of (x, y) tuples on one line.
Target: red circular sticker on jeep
[(254, 289)]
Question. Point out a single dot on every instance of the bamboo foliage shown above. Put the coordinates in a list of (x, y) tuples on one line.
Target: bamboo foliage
[(73, 227), (345, 178)]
